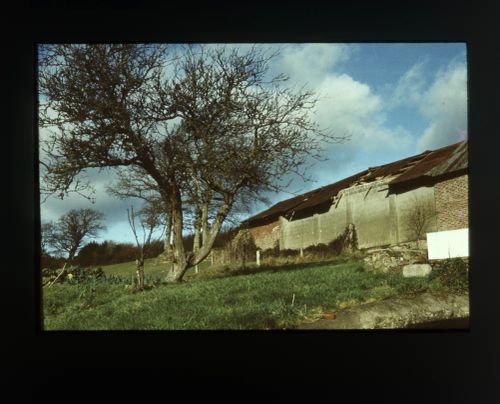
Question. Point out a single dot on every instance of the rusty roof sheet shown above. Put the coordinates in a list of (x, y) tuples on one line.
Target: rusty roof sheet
[(282, 207), (429, 163), (326, 193), (438, 162)]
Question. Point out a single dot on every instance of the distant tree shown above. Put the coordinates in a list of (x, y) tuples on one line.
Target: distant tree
[(68, 234), (46, 231), (216, 127), (89, 255)]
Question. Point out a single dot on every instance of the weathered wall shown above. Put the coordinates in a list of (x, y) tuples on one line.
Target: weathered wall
[(380, 218), (406, 203), (452, 203), (299, 233), (266, 236), (369, 207)]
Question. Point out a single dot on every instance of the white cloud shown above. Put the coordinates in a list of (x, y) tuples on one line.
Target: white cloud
[(442, 103), (309, 63), (445, 105), (346, 106), (409, 88)]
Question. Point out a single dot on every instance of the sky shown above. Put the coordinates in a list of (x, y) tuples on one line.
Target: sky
[(393, 100)]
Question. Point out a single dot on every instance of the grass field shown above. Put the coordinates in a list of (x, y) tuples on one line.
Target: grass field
[(220, 298), (151, 268)]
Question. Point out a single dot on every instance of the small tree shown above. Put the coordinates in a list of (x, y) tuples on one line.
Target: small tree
[(67, 235), (149, 221), (419, 218)]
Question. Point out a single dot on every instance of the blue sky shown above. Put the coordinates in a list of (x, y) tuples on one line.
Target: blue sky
[(394, 100)]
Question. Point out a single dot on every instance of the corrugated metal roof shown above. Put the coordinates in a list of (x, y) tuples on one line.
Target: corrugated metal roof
[(427, 164), (326, 193), (438, 162)]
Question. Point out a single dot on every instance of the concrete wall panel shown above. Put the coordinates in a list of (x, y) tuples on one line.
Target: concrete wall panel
[(380, 218)]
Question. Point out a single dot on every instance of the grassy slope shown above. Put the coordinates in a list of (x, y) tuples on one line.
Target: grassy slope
[(151, 269), (224, 300)]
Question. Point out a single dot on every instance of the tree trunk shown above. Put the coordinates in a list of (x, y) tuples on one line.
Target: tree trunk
[(177, 273), (167, 247), (180, 262), (204, 222), (196, 239), (197, 235), (140, 273)]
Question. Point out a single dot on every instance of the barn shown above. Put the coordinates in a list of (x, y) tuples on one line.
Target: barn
[(381, 202)]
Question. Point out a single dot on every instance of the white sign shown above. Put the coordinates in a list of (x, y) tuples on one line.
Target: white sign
[(448, 244)]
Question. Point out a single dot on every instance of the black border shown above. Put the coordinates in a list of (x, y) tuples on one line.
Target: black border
[(404, 366)]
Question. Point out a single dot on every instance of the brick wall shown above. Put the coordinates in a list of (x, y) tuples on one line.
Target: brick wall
[(266, 236), (452, 203)]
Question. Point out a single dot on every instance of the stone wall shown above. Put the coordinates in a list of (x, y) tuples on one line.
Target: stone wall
[(452, 203), (395, 257), (266, 236)]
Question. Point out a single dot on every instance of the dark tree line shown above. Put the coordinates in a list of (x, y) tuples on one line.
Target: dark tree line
[(108, 252)]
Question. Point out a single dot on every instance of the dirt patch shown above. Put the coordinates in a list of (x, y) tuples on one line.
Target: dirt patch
[(396, 313)]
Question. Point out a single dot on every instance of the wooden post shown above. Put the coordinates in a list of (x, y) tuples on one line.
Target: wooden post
[(301, 252), (212, 258), (257, 257)]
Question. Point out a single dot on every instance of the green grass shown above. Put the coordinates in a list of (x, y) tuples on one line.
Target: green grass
[(151, 269), (221, 298)]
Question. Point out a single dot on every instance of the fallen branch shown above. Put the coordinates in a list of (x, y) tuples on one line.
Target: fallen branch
[(58, 276)]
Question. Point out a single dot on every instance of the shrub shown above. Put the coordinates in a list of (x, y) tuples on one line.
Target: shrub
[(452, 274), (49, 272), (78, 274)]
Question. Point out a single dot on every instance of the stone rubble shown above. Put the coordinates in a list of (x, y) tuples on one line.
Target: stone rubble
[(394, 258)]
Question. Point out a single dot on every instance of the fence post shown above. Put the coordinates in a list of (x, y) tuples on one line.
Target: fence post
[(257, 254)]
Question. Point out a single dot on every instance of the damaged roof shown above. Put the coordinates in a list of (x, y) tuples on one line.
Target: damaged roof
[(429, 164), (438, 162)]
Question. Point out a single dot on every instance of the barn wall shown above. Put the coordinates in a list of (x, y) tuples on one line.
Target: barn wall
[(369, 211), (266, 236), (407, 203), (299, 233), (452, 203), (367, 206), (380, 218)]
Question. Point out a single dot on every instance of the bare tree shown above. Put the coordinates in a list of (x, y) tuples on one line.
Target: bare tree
[(68, 234), (216, 121), (135, 183), (149, 218), (419, 218)]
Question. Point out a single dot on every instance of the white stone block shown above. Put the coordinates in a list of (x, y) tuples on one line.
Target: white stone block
[(419, 270)]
